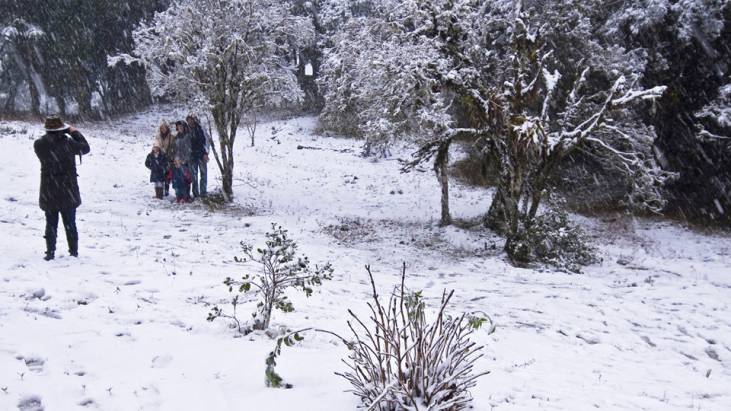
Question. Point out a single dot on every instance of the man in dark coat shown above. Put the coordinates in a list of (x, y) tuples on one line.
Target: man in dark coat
[(199, 156), (59, 192)]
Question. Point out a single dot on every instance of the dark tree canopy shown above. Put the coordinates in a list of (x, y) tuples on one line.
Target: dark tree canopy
[(63, 67)]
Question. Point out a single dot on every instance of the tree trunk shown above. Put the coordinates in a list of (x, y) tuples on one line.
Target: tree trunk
[(227, 179), (536, 197), (504, 217), (266, 312), (251, 127), (24, 60), (61, 103), (441, 164), (35, 99), (495, 217), (83, 96), (267, 317), (9, 106), (226, 160), (504, 214)]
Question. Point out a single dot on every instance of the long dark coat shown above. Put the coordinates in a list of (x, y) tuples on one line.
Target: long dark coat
[(59, 185)]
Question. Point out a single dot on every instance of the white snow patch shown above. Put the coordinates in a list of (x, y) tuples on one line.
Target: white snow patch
[(648, 328)]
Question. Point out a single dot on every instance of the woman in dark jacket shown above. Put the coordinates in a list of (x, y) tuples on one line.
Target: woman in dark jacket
[(59, 193)]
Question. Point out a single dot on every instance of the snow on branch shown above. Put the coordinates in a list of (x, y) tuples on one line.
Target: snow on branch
[(124, 59), (648, 94)]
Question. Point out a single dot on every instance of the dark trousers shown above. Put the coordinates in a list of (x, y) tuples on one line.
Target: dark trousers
[(199, 167), (69, 223)]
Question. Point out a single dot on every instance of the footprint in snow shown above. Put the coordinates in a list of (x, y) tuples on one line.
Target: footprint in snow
[(85, 298), (33, 362), (46, 312), (37, 293), (712, 354), (30, 403), (161, 361), (124, 333), (591, 340)]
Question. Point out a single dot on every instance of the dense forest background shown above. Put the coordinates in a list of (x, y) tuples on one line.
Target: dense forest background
[(53, 59)]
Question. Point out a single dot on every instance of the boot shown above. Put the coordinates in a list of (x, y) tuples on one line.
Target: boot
[(74, 250), (73, 240), (167, 190), (158, 192), (50, 248)]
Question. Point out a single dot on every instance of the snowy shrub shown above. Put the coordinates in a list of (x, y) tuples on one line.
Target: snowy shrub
[(552, 239), (281, 269), (8, 130), (399, 360)]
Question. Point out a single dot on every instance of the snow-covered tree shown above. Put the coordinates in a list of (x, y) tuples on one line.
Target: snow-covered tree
[(228, 57), (536, 83), (373, 71), (715, 133), (686, 42), (386, 78), (718, 114), (699, 19), (534, 115), (65, 70), (19, 53)]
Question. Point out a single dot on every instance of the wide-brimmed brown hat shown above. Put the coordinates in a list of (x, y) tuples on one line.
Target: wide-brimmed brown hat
[(54, 123)]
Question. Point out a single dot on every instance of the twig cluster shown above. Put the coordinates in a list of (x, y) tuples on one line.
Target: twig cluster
[(400, 361)]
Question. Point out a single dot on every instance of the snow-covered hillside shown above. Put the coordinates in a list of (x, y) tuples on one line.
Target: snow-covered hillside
[(124, 326)]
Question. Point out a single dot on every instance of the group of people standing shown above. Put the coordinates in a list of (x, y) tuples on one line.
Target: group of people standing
[(180, 160), (59, 191)]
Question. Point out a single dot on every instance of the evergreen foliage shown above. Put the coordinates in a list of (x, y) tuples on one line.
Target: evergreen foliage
[(281, 269)]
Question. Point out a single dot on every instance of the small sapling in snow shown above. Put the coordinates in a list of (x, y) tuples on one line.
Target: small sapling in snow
[(281, 269)]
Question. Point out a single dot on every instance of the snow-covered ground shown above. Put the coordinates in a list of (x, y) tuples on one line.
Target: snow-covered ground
[(124, 326)]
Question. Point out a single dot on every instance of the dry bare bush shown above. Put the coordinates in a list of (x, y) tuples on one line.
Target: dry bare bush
[(401, 361)]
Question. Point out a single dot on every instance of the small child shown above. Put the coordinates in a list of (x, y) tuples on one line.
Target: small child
[(181, 179), (157, 162)]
